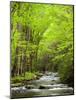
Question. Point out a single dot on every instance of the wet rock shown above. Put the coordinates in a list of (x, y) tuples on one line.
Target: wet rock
[(45, 87), (52, 86), (42, 87), (30, 86)]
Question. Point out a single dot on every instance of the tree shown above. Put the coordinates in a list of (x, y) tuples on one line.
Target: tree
[(42, 39)]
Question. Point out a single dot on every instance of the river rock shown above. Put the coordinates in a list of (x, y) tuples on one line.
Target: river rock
[(16, 85), (42, 87), (45, 87), (30, 86)]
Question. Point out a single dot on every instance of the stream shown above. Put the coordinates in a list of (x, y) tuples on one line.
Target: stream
[(47, 85)]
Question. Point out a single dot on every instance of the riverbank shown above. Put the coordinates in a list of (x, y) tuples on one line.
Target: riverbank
[(28, 76)]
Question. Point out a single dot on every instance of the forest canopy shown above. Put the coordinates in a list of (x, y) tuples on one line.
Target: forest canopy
[(42, 40)]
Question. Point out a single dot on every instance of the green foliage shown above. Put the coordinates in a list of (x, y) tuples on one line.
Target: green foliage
[(26, 77), (41, 39)]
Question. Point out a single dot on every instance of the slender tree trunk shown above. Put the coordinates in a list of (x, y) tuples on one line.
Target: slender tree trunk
[(18, 72), (21, 61)]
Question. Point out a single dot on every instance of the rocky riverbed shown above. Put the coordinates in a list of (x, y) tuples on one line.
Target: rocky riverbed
[(47, 85)]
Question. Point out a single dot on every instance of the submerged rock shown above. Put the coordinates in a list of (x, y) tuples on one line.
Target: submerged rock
[(42, 87), (30, 86), (45, 87)]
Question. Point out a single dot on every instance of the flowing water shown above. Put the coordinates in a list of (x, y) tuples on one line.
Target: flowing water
[(48, 85)]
